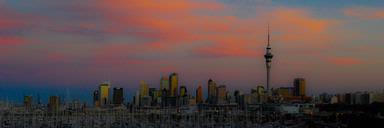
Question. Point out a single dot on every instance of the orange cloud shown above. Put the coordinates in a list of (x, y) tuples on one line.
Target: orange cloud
[(364, 12)]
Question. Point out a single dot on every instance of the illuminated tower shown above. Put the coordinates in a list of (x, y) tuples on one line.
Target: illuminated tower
[(144, 88), (173, 84), (268, 59), (104, 93)]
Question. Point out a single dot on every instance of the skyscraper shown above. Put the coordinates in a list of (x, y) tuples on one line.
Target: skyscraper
[(28, 102), (268, 59), (199, 94), (104, 93), (96, 98), (53, 103), (164, 84), (183, 91), (221, 94), (173, 84), (118, 96), (211, 91), (144, 89), (299, 86)]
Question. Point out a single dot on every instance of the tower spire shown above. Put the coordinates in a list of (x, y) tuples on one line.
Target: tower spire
[(269, 37), (268, 61)]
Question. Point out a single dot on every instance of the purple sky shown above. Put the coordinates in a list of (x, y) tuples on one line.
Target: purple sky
[(48, 46)]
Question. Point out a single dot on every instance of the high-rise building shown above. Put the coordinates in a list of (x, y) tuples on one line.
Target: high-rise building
[(199, 94), (268, 62), (118, 96), (164, 84), (54, 103), (183, 91), (299, 85), (144, 88), (28, 102), (221, 94), (104, 93), (173, 84), (212, 91), (237, 94), (96, 98)]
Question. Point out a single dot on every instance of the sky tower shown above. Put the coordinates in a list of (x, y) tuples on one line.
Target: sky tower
[(268, 59)]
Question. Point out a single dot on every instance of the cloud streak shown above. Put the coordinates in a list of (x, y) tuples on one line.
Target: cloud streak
[(365, 13)]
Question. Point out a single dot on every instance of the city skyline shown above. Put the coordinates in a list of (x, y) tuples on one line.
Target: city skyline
[(126, 43)]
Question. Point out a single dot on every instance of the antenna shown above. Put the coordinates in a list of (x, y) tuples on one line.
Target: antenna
[(268, 35)]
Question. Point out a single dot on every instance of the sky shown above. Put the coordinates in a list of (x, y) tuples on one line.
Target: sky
[(68, 47)]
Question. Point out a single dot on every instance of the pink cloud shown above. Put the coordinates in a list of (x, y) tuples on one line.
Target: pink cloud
[(171, 24), (11, 41)]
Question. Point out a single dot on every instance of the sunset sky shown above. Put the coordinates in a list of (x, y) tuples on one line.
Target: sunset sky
[(50, 46)]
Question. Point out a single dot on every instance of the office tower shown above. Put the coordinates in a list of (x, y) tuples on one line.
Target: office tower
[(28, 102), (118, 96), (299, 85), (54, 103), (183, 91), (211, 91), (164, 83), (173, 84), (268, 60), (199, 94), (221, 94), (144, 89), (96, 98), (104, 93)]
